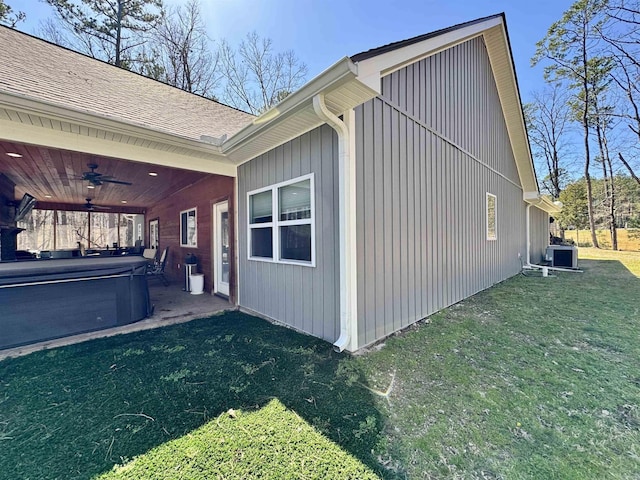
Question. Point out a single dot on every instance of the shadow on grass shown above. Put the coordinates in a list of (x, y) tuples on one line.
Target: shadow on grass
[(74, 412)]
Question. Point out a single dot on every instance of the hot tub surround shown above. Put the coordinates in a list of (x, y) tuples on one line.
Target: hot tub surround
[(48, 299)]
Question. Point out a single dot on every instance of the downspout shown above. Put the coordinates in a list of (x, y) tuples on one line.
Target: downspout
[(347, 234), (528, 257)]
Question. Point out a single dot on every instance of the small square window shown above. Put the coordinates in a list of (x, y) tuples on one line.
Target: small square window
[(262, 242), (295, 201), (261, 208), (295, 242)]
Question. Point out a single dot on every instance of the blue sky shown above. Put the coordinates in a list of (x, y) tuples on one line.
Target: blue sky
[(323, 31)]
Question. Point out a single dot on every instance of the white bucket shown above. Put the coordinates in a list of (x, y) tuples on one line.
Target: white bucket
[(197, 283)]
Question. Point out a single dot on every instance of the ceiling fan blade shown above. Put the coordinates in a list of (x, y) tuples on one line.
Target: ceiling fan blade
[(97, 178), (120, 182)]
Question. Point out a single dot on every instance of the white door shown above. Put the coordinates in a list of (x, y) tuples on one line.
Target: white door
[(222, 258)]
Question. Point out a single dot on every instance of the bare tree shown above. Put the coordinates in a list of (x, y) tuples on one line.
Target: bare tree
[(602, 120), (623, 40), (548, 118), (111, 30), (254, 77), (9, 17), (569, 47), (182, 50)]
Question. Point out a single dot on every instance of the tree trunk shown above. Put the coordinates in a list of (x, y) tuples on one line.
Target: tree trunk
[(118, 34), (587, 153), (609, 188), (587, 177), (612, 209)]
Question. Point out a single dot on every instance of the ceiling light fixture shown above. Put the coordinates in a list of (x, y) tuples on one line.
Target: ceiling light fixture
[(123, 201), (90, 186), (14, 155), (47, 196), (153, 174)]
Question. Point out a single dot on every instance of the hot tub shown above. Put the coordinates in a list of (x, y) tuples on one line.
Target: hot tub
[(46, 299)]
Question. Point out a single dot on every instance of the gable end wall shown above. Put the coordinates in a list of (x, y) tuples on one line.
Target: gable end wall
[(428, 150)]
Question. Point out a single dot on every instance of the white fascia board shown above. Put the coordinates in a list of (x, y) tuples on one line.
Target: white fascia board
[(524, 159), (371, 70), (341, 72), (55, 112)]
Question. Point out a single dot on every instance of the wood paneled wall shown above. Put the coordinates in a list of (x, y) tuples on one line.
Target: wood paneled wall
[(203, 195)]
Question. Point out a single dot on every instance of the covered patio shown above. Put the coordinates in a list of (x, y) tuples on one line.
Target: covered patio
[(161, 180)]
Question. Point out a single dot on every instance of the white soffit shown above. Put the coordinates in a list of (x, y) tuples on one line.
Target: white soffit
[(23, 120)]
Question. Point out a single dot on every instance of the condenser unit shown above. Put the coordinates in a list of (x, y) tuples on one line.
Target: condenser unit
[(565, 256)]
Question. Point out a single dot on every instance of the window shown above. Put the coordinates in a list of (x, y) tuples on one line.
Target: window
[(39, 231), (104, 229), (58, 229), (130, 229), (492, 231), (72, 227), (189, 228), (281, 226), (154, 233)]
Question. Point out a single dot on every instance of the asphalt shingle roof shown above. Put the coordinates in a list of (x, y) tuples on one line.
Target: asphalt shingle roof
[(39, 70)]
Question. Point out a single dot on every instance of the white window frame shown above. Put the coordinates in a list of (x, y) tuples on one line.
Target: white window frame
[(495, 217), (276, 223), (188, 245)]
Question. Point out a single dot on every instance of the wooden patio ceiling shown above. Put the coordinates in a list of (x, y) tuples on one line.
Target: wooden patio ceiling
[(53, 177)]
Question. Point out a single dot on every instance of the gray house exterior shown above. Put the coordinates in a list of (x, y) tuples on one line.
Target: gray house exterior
[(430, 148), (397, 182)]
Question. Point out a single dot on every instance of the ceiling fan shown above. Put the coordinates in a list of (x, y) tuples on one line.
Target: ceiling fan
[(91, 206), (96, 179)]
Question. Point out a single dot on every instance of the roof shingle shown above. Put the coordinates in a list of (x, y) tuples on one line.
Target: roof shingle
[(42, 71)]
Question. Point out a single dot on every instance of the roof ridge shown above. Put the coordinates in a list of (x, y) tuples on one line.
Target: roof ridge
[(373, 52)]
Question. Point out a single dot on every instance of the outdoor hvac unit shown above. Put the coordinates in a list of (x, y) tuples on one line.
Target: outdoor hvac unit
[(562, 256)]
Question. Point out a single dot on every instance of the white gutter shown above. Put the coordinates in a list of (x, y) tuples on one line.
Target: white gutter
[(339, 73), (348, 338)]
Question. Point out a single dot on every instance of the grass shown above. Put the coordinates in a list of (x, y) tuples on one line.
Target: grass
[(272, 442), (534, 378)]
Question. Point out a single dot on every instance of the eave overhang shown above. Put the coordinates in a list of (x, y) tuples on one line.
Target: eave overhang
[(37, 122), (295, 115), (543, 202)]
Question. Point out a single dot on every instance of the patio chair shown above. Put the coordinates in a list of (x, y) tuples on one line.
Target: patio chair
[(157, 269), (149, 255)]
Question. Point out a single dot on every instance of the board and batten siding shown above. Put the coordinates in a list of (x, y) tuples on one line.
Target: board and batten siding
[(421, 193), (305, 298), (454, 93), (539, 231)]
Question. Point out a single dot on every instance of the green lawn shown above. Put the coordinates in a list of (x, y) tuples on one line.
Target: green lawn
[(534, 378)]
